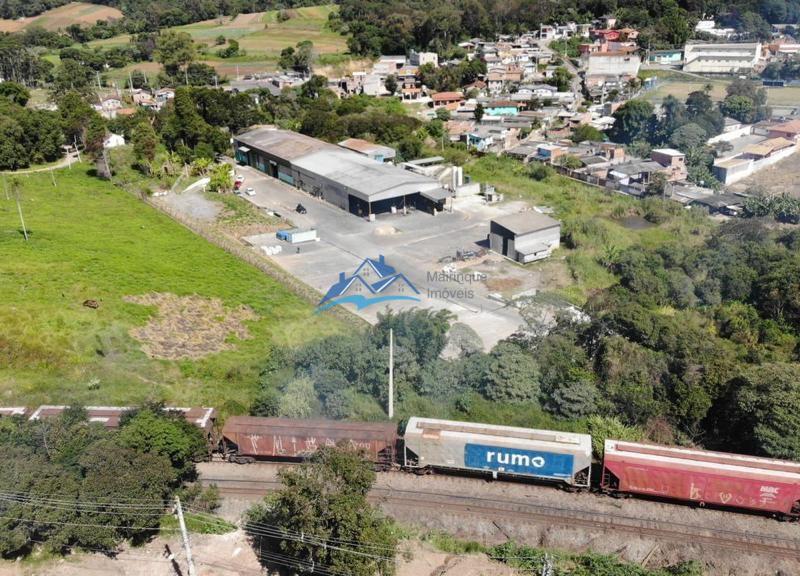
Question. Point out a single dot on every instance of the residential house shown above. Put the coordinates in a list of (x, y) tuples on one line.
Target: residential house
[(440, 99), (674, 161), (422, 58), (710, 27), (789, 130)]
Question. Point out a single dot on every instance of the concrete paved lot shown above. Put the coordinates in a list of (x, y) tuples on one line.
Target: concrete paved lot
[(412, 243)]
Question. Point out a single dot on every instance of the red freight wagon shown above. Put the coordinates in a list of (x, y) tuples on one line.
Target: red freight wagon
[(703, 477), (247, 438)]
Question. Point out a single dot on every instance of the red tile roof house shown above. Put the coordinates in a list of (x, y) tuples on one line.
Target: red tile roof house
[(444, 98), (789, 130)]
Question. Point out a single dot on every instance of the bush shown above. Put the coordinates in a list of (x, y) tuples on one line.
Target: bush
[(540, 172)]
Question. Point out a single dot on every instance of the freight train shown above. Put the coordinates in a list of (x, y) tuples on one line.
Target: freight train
[(684, 475)]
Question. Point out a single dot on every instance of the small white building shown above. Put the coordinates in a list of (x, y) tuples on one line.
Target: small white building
[(113, 141), (422, 58), (525, 237)]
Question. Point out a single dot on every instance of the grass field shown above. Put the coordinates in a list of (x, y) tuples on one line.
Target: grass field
[(260, 35), (680, 86), (61, 17), (92, 241)]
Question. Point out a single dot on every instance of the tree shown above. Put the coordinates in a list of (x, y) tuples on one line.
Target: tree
[(586, 132), (443, 114), (569, 161), (478, 112), (512, 375), (688, 137), (602, 428), (221, 179), (322, 517), (16, 93), (174, 50), (12, 150), (231, 50), (561, 79), (738, 107), (766, 399), (631, 121), (391, 84), (155, 431), (657, 186), (145, 144), (94, 142), (72, 75)]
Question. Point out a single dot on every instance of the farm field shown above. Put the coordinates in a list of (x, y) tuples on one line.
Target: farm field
[(261, 35), (177, 319), (61, 17)]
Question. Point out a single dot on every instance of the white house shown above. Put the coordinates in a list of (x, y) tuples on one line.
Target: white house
[(114, 141), (731, 58)]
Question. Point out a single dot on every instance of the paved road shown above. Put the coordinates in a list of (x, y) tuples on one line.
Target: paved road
[(66, 161)]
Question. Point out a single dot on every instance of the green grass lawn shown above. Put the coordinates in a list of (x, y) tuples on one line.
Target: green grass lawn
[(600, 223), (91, 240)]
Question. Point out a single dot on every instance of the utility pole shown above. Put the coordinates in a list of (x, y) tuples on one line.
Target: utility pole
[(5, 187), (19, 209), (391, 373), (185, 536)]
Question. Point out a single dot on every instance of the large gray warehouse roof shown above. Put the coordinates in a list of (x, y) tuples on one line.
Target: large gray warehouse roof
[(526, 222), (283, 143), (366, 179)]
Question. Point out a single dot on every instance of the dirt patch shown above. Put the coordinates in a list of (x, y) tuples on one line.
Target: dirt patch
[(427, 561), (189, 327), (503, 284), (778, 179), (61, 17)]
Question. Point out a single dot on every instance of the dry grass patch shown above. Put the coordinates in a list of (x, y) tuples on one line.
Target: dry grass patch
[(189, 327)]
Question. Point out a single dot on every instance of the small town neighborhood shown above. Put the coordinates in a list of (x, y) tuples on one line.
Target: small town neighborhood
[(399, 288)]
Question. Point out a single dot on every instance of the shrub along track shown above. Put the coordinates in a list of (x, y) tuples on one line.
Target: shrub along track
[(743, 542)]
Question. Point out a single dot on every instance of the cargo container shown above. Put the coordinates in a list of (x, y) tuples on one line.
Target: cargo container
[(499, 450), (109, 416), (297, 236), (247, 438), (702, 477)]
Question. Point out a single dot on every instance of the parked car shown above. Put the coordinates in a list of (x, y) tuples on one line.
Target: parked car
[(240, 178), (250, 192), (300, 209)]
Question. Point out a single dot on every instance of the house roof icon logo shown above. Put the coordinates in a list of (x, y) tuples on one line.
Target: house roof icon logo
[(373, 282)]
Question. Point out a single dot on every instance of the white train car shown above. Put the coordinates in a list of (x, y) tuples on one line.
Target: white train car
[(500, 450)]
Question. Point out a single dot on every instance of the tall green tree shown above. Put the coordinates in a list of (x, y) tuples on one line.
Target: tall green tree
[(632, 121), (322, 518)]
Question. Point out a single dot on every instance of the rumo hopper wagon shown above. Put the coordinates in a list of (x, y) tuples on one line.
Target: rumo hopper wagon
[(500, 450), (248, 438), (702, 477)]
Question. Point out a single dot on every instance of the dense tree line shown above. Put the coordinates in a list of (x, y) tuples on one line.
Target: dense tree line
[(70, 483), (395, 26)]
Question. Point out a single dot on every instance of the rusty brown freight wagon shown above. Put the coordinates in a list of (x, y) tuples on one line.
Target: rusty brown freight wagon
[(249, 438)]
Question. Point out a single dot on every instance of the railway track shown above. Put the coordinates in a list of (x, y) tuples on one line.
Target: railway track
[(748, 542)]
